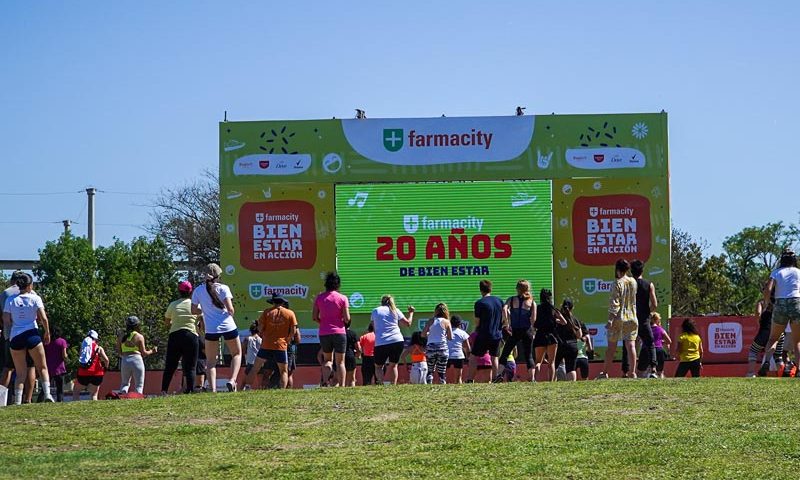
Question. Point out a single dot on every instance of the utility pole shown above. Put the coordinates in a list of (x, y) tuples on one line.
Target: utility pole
[(67, 224), (90, 192)]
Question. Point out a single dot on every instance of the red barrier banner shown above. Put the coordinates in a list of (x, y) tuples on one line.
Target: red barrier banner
[(725, 339)]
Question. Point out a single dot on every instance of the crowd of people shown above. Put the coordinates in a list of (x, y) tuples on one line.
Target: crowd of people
[(551, 341)]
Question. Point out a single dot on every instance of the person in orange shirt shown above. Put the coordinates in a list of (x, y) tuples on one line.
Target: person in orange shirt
[(419, 362), (277, 327)]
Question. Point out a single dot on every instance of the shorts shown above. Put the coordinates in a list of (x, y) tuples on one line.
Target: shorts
[(213, 337), (455, 362), (544, 340), (661, 356), (484, 344), (273, 356), (568, 352), (625, 330), (786, 310), (26, 340), (336, 343), (349, 363), (87, 380), (201, 367), (391, 352)]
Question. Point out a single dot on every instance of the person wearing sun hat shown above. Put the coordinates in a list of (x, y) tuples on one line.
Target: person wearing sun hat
[(182, 343), (214, 301), (277, 327)]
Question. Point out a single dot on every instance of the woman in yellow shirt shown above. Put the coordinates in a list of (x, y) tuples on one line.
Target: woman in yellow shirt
[(690, 350)]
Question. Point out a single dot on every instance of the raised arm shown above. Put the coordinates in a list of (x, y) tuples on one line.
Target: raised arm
[(406, 321)]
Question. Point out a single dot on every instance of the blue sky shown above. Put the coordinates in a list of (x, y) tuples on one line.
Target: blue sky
[(126, 96)]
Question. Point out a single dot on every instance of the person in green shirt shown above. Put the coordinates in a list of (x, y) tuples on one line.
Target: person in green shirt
[(183, 342)]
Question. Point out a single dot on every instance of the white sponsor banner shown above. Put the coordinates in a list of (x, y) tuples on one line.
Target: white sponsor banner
[(599, 334), (309, 335), (605, 158), (272, 164), (725, 337), (432, 141)]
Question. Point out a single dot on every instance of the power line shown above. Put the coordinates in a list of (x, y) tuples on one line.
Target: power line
[(127, 193), (30, 194)]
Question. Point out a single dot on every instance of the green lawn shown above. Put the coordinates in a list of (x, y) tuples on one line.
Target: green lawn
[(706, 428)]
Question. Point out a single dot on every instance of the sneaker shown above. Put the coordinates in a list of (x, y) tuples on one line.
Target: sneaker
[(601, 376), (429, 379), (498, 378), (762, 372), (652, 375), (231, 386), (49, 399), (246, 388), (469, 381), (750, 375)]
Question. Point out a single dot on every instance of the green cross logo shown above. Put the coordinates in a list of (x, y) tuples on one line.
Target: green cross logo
[(393, 139), (589, 285)]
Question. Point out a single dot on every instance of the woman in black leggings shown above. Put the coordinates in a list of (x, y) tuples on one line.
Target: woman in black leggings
[(568, 331), (182, 343), (521, 312)]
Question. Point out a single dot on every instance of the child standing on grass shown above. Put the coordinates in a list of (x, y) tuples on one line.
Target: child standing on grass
[(419, 363), (690, 350), (511, 366), (250, 346), (438, 331), (661, 342)]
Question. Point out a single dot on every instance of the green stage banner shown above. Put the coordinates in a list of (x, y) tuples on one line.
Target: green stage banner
[(427, 243)]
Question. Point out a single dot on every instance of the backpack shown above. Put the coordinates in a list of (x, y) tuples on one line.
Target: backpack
[(88, 353)]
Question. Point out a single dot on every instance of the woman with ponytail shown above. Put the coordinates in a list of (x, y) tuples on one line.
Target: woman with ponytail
[(215, 302)]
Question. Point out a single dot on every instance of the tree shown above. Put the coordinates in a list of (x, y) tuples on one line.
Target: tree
[(97, 289), (187, 218), (700, 285), (752, 254)]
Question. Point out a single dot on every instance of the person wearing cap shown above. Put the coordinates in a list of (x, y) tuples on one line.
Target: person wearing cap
[(131, 350), (786, 281), (215, 302), (182, 343), (92, 365), (277, 328)]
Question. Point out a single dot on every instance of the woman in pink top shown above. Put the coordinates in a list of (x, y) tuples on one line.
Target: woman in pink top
[(332, 312), (484, 362)]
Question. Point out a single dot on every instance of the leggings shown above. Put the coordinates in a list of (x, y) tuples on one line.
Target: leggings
[(523, 336), (684, 367), (437, 354), (132, 368), (419, 372), (181, 345), (58, 380), (760, 343), (368, 370), (582, 365)]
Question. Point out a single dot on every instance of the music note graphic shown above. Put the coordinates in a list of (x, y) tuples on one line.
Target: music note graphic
[(359, 200)]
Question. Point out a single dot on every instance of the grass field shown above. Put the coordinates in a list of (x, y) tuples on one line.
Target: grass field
[(706, 428)]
